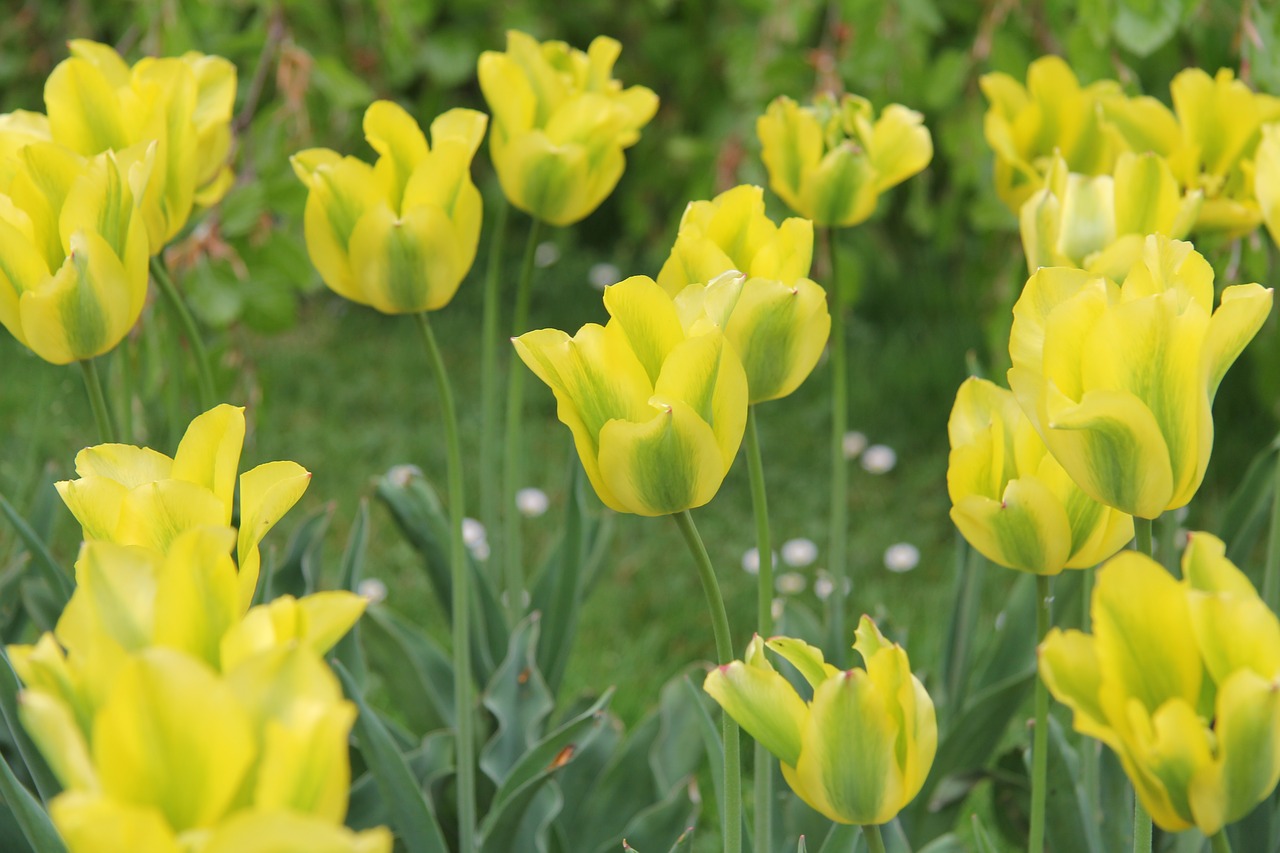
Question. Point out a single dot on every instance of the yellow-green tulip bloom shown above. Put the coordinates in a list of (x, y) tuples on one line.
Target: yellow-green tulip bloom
[(97, 103), (657, 411), (1182, 680), (1011, 500), (732, 232), (73, 250), (1119, 380), (1101, 223), (1267, 179), (138, 496), (861, 749), (831, 161), (560, 124), (399, 235)]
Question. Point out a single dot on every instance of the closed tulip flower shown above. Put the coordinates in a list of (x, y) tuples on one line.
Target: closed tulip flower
[(399, 235), (1181, 678), (861, 749), (560, 124), (1011, 500), (1119, 380), (138, 496), (831, 161), (1101, 223), (657, 410), (73, 250)]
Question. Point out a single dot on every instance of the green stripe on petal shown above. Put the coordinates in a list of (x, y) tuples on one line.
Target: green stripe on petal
[(665, 465), (763, 703)]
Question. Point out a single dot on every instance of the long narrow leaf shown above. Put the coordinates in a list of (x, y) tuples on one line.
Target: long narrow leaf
[(53, 573), (34, 821), (46, 785), (349, 650)]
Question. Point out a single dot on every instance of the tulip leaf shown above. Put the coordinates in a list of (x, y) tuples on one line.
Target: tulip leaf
[(961, 631), (349, 650), (49, 568), (684, 844), (1070, 820), (411, 815), (944, 844), (665, 822), (298, 571), (559, 591), (430, 762), (981, 838), (32, 819), (800, 847), (416, 671), (842, 837), (1247, 512), (519, 700), (46, 784)]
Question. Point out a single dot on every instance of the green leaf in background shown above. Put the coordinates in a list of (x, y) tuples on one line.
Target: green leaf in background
[(431, 762), (31, 818), (298, 572), (414, 670), (1142, 26), (349, 650), (50, 570), (46, 784), (519, 700)]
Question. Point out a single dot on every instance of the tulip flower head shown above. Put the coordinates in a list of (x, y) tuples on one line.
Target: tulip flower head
[(1181, 678), (137, 496), (73, 249), (1267, 179), (860, 749), (657, 409), (1101, 223), (831, 161), (1119, 380), (399, 235), (1011, 500), (560, 124)]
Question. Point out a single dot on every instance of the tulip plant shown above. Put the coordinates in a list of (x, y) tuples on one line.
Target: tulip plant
[(184, 688)]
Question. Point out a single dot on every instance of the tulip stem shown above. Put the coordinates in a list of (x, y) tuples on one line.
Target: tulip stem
[(1142, 535), (1219, 842), (764, 624), (1040, 742), (513, 471), (1141, 820), (98, 400), (204, 373), (732, 811), (875, 844), (490, 487), (1271, 568), (460, 605), (839, 468), (1089, 756)]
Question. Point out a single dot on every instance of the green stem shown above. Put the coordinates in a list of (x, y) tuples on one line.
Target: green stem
[(1040, 744), (1141, 820), (490, 485), (1271, 568), (764, 624), (1167, 543), (875, 844), (839, 468), (124, 358), (98, 400), (1089, 768), (513, 470), (732, 811), (460, 605), (1219, 842), (1142, 535), (204, 373)]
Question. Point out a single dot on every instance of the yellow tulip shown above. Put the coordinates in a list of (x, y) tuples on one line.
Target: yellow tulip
[(861, 749), (831, 161), (73, 249), (1101, 223), (97, 103), (1026, 125), (1182, 680), (138, 496), (399, 235), (657, 410), (1119, 380), (560, 124), (1011, 500), (1267, 179)]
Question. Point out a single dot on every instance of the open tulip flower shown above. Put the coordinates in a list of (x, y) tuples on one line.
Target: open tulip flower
[(860, 750), (1181, 678), (560, 123), (1011, 500), (1101, 223), (97, 103), (831, 161), (399, 235), (1267, 179), (1119, 380), (657, 410), (73, 249), (138, 496)]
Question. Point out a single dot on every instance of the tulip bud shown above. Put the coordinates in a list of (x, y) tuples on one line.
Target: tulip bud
[(1011, 500), (560, 124), (865, 779), (657, 410), (399, 235), (831, 161), (1119, 380)]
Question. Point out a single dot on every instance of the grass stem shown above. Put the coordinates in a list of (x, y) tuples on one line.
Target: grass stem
[(178, 306)]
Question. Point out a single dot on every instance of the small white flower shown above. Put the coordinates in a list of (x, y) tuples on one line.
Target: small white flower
[(480, 550), (400, 475), (603, 274), (823, 586), (776, 608), (373, 590), (879, 459), (472, 532), (853, 444), (532, 502), (799, 553), (791, 583), (1000, 620), (902, 557), (546, 254), (751, 561)]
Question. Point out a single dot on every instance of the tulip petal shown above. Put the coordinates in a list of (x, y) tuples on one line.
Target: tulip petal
[(705, 373), (114, 597), (779, 332), (154, 514), (84, 110), (1147, 199), (1234, 628), (1174, 753), (1247, 768), (196, 596), (791, 143), (53, 727), (209, 453), (267, 492), (647, 318), (94, 823), (900, 146), (398, 138), (1243, 310), (409, 263), (341, 192), (807, 659), (289, 832), (1027, 529), (788, 256), (667, 464), (1069, 665), (763, 703)]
